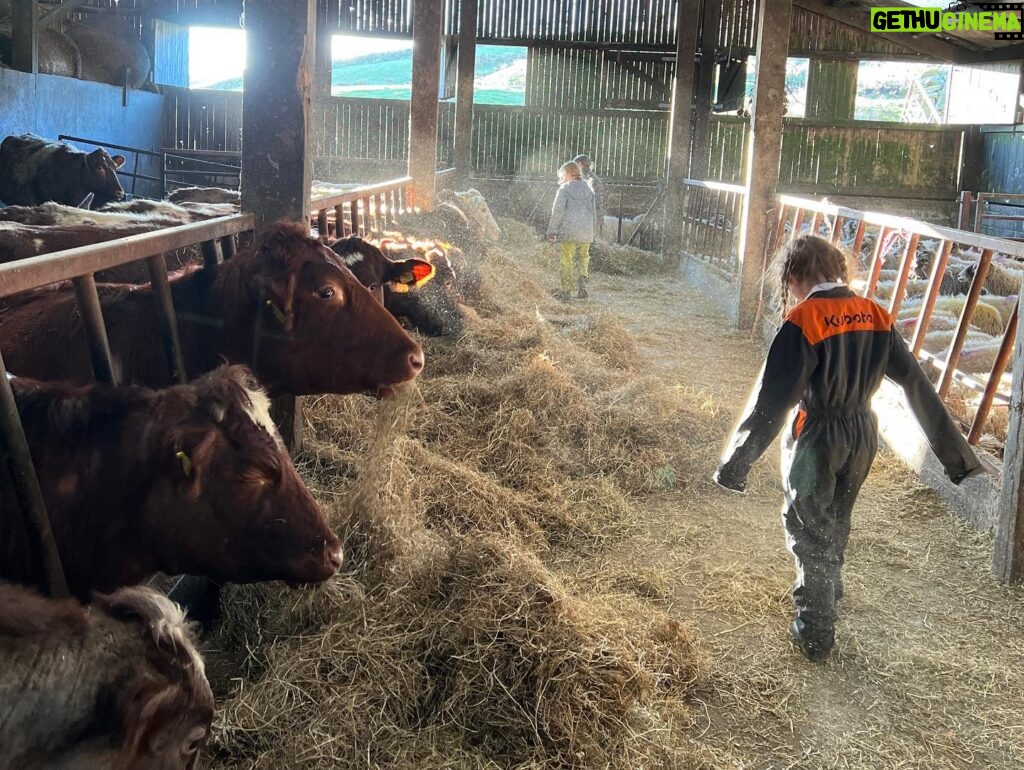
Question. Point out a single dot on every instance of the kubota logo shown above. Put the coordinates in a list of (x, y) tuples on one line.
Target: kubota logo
[(845, 319)]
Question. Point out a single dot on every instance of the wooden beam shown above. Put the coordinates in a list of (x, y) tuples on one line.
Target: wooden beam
[(276, 123), (704, 90), (1008, 563), (58, 13), (680, 124), (930, 46), (764, 151), (25, 36), (426, 78), (1002, 53), (463, 153)]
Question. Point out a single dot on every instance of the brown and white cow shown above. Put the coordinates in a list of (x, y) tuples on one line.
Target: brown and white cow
[(205, 195), (419, 288), (474, 208), (34, 171), (190, 479), (289, 309), (60, 215), (116, 685)]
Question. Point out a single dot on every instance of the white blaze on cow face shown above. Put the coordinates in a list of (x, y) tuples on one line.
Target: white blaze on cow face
[(352, 259), (259, 412)]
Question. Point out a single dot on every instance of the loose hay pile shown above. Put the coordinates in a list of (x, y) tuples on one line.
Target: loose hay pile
[(452, 640)]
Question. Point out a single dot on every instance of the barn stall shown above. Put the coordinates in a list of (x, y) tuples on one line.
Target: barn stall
[(463, 637)]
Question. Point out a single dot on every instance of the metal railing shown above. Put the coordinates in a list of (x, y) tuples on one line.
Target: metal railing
[(886, 230), (217, 238), (982, 203), (711, 215), (361, 210), (135, 174)]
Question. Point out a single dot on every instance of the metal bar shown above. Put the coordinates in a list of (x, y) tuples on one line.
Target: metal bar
[(94, 143), (858, 239), (18, 459), (901, 283), (26, 274), (876, 263), (964, 218), (973, 294), (992, 386), (931, 295), (211, 254), (168, 319), (837, 229), (228, 247), (977, 214), (95, 331)]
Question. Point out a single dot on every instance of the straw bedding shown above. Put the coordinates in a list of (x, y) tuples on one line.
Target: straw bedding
[(452, 638)]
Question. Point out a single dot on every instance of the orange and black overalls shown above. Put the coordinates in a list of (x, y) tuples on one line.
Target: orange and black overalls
[(829, 358)]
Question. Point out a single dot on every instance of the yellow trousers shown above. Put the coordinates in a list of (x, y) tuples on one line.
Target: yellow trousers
[(569, 250)]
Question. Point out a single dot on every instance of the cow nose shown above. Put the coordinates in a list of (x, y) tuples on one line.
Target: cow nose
[(335, 556), (416, 360)]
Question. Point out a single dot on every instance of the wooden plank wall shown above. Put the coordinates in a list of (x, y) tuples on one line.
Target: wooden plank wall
[(1003, 159)]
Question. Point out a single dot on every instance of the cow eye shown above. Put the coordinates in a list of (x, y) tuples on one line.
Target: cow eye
[(325, 293), (372, 287)]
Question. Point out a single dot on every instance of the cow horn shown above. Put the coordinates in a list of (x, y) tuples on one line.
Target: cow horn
[(86, 201)]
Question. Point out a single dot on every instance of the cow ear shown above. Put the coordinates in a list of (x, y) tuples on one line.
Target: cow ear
[(118, 160), (408, 274)]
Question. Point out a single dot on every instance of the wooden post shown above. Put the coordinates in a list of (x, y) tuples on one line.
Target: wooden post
[(25, 36), (680, 124), (1008, 564), (276, 118), (322, 66), (763, 152), (704, 91), (831, 89), (426, 78), (464, 92), (972, 160)]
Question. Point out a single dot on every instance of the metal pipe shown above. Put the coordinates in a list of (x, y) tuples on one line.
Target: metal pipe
[(95, 331), (165, 310), (901, 284), (973, 294), (18, 459), (992, 386), (931, 295)]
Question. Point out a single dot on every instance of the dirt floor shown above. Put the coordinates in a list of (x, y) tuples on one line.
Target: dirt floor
[(929, 666)]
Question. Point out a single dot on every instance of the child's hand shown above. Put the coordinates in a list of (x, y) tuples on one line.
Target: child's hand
[(737, 486)]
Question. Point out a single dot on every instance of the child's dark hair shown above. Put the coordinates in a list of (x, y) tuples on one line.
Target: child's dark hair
[(809, 256)]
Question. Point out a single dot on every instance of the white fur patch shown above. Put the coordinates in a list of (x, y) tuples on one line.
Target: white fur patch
[(37, 244), (353, 259), (259, 412)]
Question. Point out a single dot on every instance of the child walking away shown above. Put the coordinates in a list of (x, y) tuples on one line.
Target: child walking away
[(829, 358), (572, 225)]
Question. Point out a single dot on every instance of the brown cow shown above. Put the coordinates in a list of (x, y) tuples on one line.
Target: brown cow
[(116, 685), (419, 288), (289, 309), (33, 171), (23, 241), (124, 213), (190, 479)]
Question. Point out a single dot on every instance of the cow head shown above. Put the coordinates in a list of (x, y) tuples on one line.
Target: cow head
[(432, 309), (230, 504), (101, 177), (165, 703), (473, 205), (317, 329), (375, 270)]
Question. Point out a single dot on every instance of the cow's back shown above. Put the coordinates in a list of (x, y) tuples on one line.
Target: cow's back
[(34, 171)]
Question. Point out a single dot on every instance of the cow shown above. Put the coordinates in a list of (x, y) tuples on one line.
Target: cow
[(205, 195), (127, 213), (189, 479), (186, 211), (418, 288), (289, 308), (23, 241), (117, 684), (34, 171), (474, 207)]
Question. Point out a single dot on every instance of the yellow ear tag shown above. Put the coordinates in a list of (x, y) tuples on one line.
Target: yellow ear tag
[(186, 464), (278, 313)]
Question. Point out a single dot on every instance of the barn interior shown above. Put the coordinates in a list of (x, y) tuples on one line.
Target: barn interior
[(539, 573)]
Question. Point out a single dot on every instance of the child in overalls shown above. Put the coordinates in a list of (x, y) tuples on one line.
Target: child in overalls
[(572, 225), (829, 357)]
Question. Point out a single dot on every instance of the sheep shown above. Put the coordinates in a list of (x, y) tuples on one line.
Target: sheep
[(986, 318), (1001, 280), (939, 342)]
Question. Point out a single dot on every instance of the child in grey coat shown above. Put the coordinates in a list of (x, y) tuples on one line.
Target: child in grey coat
[(572, 224)]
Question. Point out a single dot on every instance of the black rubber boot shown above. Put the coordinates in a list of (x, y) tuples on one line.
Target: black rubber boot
[(582, 293), (814, 643)]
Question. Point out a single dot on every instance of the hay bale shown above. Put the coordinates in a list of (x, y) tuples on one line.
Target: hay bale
[(112, 52)]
